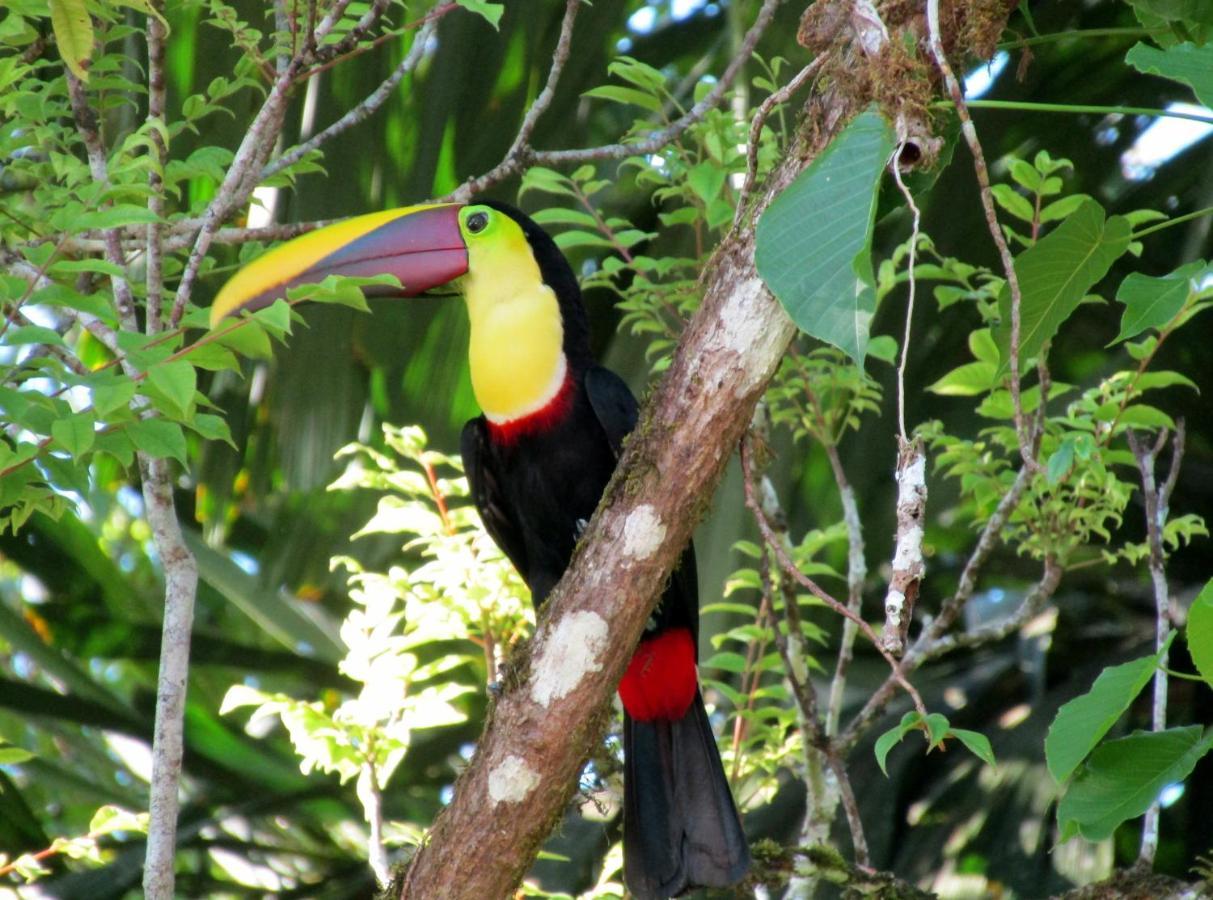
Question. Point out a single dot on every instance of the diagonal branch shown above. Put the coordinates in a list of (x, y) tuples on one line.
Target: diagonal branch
[(1000, 241), (369, 105), (514, 157)]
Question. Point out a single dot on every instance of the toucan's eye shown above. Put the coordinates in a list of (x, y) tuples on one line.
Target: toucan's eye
[(477, 222)]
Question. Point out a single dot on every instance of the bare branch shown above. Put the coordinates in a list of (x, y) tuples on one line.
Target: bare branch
[(1156, 497), (857, 572), (908, 566), (354, 37), (905, 341), (86, 124), (155, 203), (362, 111), (515, 156), (764, 110), (658, 139), (168, 742), (805, 581), (1000, 241), (239, 181)]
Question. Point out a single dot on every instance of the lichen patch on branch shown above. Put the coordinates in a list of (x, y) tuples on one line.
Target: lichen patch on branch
[(908, 564), (568, 653), (511, 780), (643, 532)]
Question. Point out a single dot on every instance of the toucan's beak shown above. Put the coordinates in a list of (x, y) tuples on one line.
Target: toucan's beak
[(420, 245)]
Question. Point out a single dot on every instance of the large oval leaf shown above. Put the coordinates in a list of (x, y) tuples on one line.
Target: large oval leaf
[(813, 246)]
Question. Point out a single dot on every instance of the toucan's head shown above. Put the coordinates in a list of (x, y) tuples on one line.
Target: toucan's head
[(441, 248)]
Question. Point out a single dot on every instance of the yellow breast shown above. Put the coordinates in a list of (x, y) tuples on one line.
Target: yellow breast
[(516, 350)]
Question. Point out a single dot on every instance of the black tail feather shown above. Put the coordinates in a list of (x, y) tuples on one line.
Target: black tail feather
[(681, 829)]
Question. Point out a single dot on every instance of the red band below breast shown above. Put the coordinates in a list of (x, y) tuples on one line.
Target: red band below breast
[(661, 679), (542, 419)]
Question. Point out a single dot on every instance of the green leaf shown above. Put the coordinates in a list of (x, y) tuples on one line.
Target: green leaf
[(1139, 415), (33, 334), (109, 819), (213, 428), (1082, 723), (976, 743), (884, 744), (1056, 273), (111, 395), (729, 662), (1153, 302), (283, 618), (491, 12), (893, 736), (159, 438), (1124, 777), (75, 434), (967, 380), (1013, 202), (177, 380), (12, 755), (883, 347), (1187, 11), (73, 34), (1185, 63), (1060, 461), (1200, 632), (706, 180), (813, 243), (116, 216), (626, 95), (145, 7), (246, 338)]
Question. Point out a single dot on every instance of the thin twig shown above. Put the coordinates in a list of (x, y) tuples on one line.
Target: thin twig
[(782, 95), (155, 180), (653, 141), (513, 160), (360, 113), (1156, 499), (850, 806), (791, 568), (353, 37), (239, 181), (857, 572), (905, 343), (86, 124), (1000, 241)]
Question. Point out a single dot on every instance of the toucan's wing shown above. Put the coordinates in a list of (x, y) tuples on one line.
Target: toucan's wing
[(613, 404), (618, 412), (498, 518)]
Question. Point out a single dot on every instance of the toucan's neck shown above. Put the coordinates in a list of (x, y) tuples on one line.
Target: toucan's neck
[(516, 350)]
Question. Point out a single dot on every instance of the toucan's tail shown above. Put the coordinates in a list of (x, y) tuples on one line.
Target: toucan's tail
[(680, 826)]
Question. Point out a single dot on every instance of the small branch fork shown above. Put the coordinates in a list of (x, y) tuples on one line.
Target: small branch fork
[(521, 154), (790, 567), (819, 748), (1157, 499), (1022, 430)]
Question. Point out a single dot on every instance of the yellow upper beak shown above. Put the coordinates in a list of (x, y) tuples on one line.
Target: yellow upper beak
[(421, 245)]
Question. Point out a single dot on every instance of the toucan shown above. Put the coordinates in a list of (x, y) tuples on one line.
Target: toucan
[(538, 460)]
